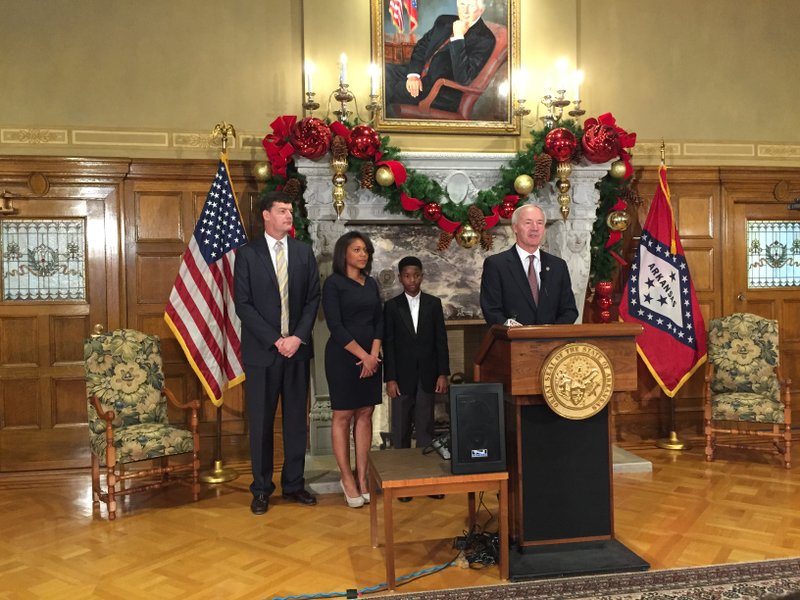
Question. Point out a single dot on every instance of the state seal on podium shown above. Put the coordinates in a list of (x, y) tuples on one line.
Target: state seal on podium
[(577, 380)]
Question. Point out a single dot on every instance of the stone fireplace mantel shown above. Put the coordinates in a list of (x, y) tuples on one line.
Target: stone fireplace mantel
[(453, 275)]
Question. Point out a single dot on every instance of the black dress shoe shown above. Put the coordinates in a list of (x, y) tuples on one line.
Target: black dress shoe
[(404, 498), (436, 496), (301, 497), (260, 504)]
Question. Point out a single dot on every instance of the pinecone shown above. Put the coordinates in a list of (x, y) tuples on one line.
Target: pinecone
[(339, 148), (630, 196), (444, 241), (294, 189), (367, 176), (486, 240), (476, 218), (542, 165)]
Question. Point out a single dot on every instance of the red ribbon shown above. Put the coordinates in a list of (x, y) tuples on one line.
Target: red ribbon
[(398, 170), (339, 128), (410, 204), (513, 198), (447, 225), (493, 220), (279, 152), (615, 235)]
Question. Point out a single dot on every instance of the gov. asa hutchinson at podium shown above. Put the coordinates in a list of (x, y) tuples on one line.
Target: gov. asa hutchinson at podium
[(524, 284)]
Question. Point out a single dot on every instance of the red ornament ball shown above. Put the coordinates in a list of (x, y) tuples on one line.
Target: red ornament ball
[(560, 144), (604, 302), (604, 288), (432, 211), (507, 209), (364, 142), (600, 143), (605, 316), (310, 137)]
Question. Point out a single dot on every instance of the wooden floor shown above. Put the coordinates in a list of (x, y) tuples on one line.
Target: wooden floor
[(53, 544)]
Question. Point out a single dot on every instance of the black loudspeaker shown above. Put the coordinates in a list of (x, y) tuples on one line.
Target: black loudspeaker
[(477, 428)]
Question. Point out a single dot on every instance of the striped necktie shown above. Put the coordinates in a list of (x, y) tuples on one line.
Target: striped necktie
[(532, 279), (283, 286)]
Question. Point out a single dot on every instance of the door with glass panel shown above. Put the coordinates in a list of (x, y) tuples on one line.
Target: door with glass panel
[(763, 273), (58, 267)]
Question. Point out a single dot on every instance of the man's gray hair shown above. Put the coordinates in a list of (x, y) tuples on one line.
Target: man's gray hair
[(519, 209)]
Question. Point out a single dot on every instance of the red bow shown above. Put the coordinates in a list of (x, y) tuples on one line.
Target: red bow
[(279, 152), (493, 220), (339, 128), (410, 204), (626, 140)]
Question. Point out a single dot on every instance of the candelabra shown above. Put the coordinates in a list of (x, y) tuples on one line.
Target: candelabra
[(520, 110), (555, 106), (310, 105)]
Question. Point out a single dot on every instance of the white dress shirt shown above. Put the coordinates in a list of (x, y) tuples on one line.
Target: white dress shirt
[(537, 263), (413, 305)]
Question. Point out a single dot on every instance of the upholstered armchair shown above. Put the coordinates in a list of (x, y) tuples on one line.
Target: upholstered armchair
[(128, 418), (745, 392)]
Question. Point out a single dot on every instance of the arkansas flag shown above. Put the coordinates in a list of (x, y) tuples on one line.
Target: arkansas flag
[(411, 9), (660, 296)]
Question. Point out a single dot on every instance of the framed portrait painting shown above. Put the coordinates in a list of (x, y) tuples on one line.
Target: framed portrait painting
[(446, 65)]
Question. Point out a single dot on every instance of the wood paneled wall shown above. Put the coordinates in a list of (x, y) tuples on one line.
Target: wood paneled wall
[(140, 214)]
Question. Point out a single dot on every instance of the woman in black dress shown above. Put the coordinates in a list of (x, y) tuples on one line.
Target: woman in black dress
[(352, 306)]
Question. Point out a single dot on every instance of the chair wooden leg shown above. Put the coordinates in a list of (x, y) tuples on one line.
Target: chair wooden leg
[(95, 480), (787, 446)]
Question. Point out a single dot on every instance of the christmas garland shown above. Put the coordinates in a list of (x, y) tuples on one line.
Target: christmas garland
[(377, 165)]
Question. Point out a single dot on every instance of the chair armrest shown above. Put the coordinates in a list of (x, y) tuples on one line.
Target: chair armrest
[(786, 386), (190, 404), (106, 415), (426, 103)]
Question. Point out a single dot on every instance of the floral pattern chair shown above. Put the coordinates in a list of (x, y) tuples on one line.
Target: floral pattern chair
[(128, 416), (745, 392)]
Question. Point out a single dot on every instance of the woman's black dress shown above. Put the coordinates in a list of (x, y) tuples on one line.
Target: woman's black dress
[(353, 312)]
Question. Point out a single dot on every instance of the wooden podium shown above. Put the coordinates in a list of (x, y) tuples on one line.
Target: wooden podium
[(561, 506)]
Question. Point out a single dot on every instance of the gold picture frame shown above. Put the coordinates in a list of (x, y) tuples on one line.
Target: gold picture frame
[(479, 104)]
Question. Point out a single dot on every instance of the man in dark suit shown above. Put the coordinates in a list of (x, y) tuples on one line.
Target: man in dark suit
[(456, 48), (416, 360), (524, 283), (276, 291)]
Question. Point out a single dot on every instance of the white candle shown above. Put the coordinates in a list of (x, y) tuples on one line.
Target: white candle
[(309, 68), (578, 82), (521, 83), (343, 68), (374, 79), (561, 74)]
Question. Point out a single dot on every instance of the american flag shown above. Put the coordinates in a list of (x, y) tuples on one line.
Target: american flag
[(411, 8), (396, 11), (200, 311)]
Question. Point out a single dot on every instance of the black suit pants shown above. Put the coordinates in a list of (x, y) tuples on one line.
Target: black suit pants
[(415, 408), (287, 378)]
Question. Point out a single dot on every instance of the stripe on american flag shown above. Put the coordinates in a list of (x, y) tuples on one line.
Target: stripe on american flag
[(201, 311)]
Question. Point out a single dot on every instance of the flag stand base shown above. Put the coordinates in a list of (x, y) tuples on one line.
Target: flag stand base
[(673, 442), (218, 474)]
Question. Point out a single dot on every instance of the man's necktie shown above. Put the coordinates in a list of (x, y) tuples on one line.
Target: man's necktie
[(532, 279), (283, 286), (427, 65)]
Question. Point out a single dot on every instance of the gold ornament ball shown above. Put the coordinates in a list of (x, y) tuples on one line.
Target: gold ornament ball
[(384, 176), (467, 237), (618, 220), (262, 171), (617, 169), (563, 186), (523, 184), (339, 179)]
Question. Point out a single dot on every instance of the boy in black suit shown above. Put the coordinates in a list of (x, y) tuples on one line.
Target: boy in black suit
[(416, 360)]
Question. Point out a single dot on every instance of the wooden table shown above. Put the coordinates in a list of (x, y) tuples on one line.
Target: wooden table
[(408, 472)]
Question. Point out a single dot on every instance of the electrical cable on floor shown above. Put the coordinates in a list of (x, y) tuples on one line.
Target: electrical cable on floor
[(352, 593)]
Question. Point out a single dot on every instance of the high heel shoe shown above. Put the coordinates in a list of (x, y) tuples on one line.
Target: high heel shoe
[(365, 497), (356, 502)]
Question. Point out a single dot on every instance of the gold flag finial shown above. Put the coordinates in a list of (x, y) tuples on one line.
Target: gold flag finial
[(663, 152), (224, 129)]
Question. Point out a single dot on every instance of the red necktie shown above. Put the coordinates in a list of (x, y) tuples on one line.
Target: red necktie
[(532, 279), (427, 66)]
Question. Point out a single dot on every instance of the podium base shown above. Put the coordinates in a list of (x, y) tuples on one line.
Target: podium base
[(578, 558)]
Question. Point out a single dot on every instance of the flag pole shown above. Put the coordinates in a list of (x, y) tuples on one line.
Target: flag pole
[(218, 473), (673, 442)]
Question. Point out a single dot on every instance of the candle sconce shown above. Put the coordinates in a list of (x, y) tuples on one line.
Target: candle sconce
[(555, 106), (310, 105)]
